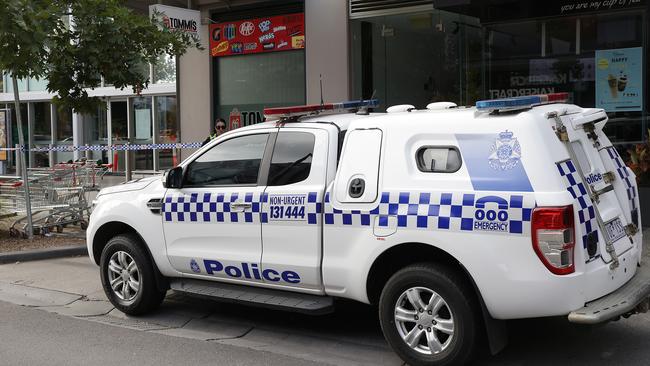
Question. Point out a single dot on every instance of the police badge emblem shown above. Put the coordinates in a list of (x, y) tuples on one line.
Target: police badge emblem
[(195, 266), (505, 153)]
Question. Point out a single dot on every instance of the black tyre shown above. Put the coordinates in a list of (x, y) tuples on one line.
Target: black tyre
[(128, 277), (429, 315)]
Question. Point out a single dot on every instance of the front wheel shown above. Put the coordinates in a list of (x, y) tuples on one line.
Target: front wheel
[(429, 316), (128, 276)]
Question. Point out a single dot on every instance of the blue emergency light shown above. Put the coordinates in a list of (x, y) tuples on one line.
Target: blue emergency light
[(509, 104)]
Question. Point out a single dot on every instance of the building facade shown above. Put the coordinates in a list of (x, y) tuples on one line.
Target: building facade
[(284, 52)]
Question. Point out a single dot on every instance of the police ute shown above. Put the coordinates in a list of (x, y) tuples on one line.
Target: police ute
[(449, 219)]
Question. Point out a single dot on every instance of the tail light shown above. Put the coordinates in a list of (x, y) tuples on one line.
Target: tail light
[(554, 238)]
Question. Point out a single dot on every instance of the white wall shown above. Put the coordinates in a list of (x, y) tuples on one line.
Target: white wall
[(326, 38), (194, 92)]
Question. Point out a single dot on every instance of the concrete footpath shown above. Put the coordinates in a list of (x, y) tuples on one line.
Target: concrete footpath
[(71, 287)]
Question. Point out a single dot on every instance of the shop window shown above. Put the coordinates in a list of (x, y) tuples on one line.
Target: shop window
[(9, 85), (14, 124), (119, 123), (232, 162), (609, 31), (164, 70), (95, 128), (37, 84), (560, 36), (291, 162), (64, 125), (442, 51), (119, 132), (167, 129), (247, 84), (436, 159), (64, 133), (142, 132), (42, 123)]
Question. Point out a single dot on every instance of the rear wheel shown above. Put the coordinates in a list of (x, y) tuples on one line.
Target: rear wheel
[(127, 275), (429, 316)]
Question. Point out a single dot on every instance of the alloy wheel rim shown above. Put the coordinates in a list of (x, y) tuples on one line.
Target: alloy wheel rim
[(424, 320), (124, 276)]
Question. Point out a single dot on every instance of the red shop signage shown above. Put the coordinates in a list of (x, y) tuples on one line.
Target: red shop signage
[(278, 33)]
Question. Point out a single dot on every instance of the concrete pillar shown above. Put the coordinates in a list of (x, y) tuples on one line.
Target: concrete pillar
[(194, 92), (327, 50), (53, 128), (77, 132)]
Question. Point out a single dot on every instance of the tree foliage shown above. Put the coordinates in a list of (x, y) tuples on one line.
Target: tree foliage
[(73, 44)]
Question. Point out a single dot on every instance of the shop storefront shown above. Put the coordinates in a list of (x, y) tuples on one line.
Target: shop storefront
[(258, 60), (463, 51), (131, 119)]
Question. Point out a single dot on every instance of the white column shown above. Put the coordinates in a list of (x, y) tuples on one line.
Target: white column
[(128, 163), (53, 128), (30, 134), (109, 126), (77, 132), (326, 23), (155, 130)]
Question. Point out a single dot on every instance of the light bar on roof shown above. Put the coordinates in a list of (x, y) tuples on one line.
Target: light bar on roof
[(510, 104), (283, 112)]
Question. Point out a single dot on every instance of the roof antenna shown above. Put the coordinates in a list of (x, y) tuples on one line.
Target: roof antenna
[(363, 111), (321, 89)]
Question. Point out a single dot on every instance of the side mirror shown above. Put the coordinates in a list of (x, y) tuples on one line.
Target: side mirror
[(174, 178)]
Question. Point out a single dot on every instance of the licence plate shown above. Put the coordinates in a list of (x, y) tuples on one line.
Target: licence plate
[(615, 230)]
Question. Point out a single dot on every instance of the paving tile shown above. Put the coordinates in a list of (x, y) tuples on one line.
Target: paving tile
[(32, 296), (82, 308), (208, 329)]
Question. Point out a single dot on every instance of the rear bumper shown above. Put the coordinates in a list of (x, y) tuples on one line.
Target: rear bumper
[(630, 298)]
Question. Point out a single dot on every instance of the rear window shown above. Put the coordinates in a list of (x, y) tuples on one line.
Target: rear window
[(438, 159), (291, 161)]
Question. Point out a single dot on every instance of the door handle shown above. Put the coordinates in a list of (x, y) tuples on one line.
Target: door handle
[(243, 206)]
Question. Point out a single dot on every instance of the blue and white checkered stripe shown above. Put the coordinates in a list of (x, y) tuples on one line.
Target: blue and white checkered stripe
[(586, 211), (418, 210), (427, 210), (211, 207), (624, 175)]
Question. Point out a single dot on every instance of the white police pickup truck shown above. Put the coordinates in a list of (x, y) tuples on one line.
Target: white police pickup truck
[(449, 219)]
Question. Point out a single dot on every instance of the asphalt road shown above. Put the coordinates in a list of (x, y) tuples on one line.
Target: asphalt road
[(33, 337), (66, 320)]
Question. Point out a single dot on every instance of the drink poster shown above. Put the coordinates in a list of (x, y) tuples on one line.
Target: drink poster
[(4, 120), (619, 79), (270, 34)]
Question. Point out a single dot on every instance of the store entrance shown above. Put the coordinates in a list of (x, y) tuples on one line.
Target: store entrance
[(247, 84), (118, 132)]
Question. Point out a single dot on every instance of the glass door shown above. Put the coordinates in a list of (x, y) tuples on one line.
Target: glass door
[(142, 132), (95, 133), (119, 133)]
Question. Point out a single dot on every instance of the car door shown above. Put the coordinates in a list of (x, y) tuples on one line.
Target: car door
[(292, 209), (212, 224)]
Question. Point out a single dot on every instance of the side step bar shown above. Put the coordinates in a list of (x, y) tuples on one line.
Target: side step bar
[(631, 298), (255, 296)]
